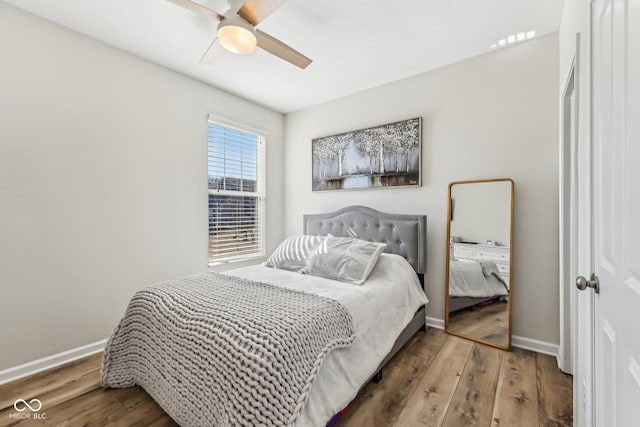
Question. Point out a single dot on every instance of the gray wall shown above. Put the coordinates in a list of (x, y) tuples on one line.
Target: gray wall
[(491, 116), (103, 176)]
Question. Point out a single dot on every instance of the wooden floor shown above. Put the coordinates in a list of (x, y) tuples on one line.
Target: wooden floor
[(489, 323), (435, 380)]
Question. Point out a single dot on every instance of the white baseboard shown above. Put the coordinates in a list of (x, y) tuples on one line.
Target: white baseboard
[(516, 341), (49, 362), (432, 322), (535, 345)]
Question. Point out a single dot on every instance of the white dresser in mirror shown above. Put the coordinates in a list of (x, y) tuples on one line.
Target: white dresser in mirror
[(498, 254)]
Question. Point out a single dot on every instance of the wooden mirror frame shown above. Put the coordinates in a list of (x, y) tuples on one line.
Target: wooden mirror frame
[(448, 259)]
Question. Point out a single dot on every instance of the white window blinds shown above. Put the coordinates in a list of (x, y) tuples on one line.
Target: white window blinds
[(236, 193)]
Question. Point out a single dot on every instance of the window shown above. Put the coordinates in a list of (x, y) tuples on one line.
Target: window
[(236, 193)]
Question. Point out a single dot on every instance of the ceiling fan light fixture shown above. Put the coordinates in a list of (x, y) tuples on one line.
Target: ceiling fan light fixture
[(237, 35)]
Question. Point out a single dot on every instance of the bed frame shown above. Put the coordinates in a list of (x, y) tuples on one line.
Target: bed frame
[(405, 235), (459, 303)]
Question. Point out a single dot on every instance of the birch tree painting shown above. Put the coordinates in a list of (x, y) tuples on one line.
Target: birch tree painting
[(377, 157)]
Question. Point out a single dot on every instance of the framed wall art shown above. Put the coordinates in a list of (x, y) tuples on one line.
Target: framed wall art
[(379, 157)]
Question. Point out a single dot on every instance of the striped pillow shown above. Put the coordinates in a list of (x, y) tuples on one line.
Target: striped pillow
[(293, 252)]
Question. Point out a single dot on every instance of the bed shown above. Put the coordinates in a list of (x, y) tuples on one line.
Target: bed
[(385, 311), (473, 281)]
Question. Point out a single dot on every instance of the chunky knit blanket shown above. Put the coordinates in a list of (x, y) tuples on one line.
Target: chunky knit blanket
[(216, 350)]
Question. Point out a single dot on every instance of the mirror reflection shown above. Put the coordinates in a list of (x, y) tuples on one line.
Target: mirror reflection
[(479, 261)]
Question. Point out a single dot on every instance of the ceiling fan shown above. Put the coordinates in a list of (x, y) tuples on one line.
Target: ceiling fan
[(237, 32)]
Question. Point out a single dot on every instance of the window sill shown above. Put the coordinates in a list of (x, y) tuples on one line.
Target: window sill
[(249, 260)]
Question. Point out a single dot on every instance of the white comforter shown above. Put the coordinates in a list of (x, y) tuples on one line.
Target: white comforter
[(467, 279), (381, 308)]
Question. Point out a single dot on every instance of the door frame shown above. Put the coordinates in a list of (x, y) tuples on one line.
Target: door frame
[(568, 205)]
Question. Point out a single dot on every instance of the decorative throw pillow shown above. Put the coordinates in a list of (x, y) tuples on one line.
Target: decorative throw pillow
[(345, 259), (293, 252)]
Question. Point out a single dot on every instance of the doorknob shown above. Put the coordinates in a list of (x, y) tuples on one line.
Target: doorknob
[(583, 283)]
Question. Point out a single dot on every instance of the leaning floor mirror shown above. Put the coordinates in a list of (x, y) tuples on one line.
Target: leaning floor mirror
[(479, 252)]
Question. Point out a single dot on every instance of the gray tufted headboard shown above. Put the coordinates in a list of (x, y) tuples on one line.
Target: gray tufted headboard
[(405, 235)]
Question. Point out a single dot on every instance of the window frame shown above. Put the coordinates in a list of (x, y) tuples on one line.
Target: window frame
[(260, 192)]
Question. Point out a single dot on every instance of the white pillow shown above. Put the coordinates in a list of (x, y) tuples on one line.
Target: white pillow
[(293, 252), (345, 259)]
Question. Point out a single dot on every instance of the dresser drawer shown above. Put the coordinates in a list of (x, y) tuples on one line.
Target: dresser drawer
[(463, 252), (499, 255), (503, 268)]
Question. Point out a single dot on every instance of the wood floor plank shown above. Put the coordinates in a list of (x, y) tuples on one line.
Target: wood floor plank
[(84, 410), (132, 397), (424, 345), (48, 382), (163, 421), (63, 392), (76, 387), (428, 403), (489, 323), (516, 402), (380, 404), (472, 403), (555, 393), (146, 412)]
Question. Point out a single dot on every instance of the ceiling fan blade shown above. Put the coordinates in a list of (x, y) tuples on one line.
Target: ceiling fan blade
[(281, 50), (256, 11), (213, 54), (197, 8)]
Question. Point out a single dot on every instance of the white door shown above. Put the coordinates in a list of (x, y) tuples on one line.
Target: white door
[(615, 56)]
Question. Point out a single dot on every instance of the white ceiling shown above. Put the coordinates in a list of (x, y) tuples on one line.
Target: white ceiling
[(355, 44)]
